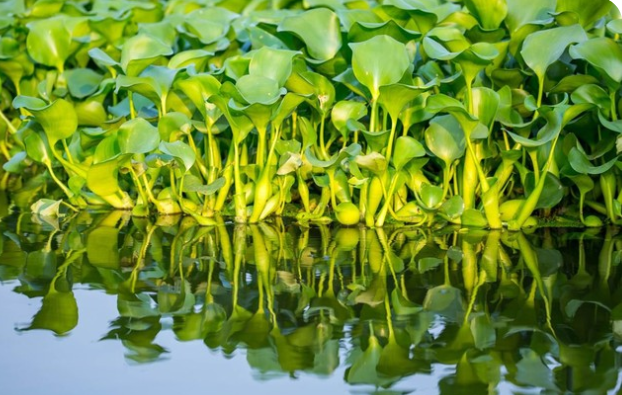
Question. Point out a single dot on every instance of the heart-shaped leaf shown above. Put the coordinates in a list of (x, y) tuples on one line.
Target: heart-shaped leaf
[(319, 29), (379, 61)]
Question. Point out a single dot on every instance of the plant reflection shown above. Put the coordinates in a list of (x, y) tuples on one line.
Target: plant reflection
[(541, 310)]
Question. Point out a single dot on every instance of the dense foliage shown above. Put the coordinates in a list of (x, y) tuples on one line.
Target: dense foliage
[(476, 112), (475, 311)]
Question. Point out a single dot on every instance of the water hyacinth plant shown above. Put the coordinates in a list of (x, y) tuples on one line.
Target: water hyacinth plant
[(479, 113)]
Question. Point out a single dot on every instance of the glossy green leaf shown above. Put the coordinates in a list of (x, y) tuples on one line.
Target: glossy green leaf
[(603, 53), (59, 119), (139, 52), (542, 48), (406, 148), (581, 164), (275, 64), (345, 110), (489, 13), (194, 184), (102, 178), (553, 187), (521, 13), (319, 29), (379, 61), (445, 139), (258, 89), (37, 148), (180, 151), (138, 136), (431, 196), (588, 12), (49, 42), (82, 82)]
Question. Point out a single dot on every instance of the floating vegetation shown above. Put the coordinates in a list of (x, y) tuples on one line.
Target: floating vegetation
[(479, 113)]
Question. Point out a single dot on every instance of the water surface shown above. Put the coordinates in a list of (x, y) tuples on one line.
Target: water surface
[(103, 303)]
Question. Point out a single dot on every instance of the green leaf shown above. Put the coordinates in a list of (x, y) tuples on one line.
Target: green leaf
[(192, 57), (82, 82), (46, 208), (581, 164), (59, 119), (180, 151), (588, 12), (395, 97), (102, 59), (362, 31), (472, 218), (485, 105), (16, 164), (345, 110), (199, 88), (374, 162), (275, 64), (101, 177), (615, 26), (553, 187), (209, 25), (592, 94), (406, 148), (489, 13), (379, 61), (49, 42), (259, 89), (522, 12), (431, 196), (193, 184), (319, 29), (37, 149), (138, 136), (144, 86), (547, 133), (453, 207), (445, 139), (543, 48), (603, 53), (335, 160), (139, 52)]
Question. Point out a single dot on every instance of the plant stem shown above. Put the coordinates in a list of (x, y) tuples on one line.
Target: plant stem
[(58, 182), (130, 97), (374, 115)]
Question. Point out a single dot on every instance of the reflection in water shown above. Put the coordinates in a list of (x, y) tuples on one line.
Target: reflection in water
[(537, 310)]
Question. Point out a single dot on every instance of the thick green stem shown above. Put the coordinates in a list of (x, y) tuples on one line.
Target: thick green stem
[(239, 198), (382, 215), (530, 204), (139, 186), (391, 139), (130, 97), (540, 94), (469, 182), (323, 150), (260, 158), (374, 115), (9, 125), (57, 181)]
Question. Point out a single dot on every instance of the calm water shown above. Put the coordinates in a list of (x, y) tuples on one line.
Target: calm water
[(102, 303)]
